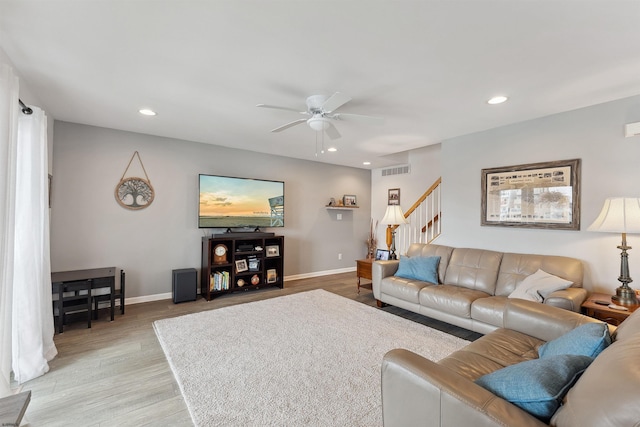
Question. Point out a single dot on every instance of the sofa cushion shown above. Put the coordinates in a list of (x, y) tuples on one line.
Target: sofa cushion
[(491, 352), (608, 392), (585, 340), (475, 269), (489, 310), (450, 299), (419, 268), (537, 286), (444, 252), (516, 267), (538, 385), (403, 289)]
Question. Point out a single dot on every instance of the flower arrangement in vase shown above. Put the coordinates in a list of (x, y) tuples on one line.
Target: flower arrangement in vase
[(372, 242)]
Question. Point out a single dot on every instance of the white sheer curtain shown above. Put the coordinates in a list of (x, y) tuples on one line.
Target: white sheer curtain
[(26, 327), (32, 320), (8, 138)]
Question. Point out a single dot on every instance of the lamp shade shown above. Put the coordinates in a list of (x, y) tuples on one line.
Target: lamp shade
[(618, 215), (394, 216)]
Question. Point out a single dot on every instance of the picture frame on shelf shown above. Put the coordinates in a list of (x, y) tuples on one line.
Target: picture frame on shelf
[(253, 263), (536, 195), (394, 196), (382, 255), (241, 265), (272, 250), (272, 275), (349, 200)]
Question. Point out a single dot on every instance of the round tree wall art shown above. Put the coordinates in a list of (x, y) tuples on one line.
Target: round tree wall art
[(133, 192)]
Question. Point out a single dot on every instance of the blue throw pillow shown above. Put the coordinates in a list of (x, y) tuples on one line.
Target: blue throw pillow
[(419, 268), (537, 386), (586, 340)]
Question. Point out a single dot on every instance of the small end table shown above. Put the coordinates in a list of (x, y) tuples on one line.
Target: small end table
[(602, 312), (363, 270)]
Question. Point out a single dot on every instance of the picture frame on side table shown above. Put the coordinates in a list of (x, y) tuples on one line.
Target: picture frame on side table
[(241, 265), (394, 196), (536, 195), (382, 255), (272, 250), (349, 200)]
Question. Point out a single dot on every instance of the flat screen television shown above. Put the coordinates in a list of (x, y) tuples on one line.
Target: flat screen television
[(230, 202)]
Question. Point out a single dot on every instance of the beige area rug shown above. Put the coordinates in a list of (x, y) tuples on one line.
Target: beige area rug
[(309, 359)]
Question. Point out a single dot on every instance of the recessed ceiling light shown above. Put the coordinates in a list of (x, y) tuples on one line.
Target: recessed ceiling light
[(332, 149), (497, 100), (147, 112), (366, 163)]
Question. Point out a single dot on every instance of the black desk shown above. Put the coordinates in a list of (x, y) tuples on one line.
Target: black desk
[(99, 277)]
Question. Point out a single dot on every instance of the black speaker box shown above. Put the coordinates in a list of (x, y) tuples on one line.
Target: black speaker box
[(185, 285)]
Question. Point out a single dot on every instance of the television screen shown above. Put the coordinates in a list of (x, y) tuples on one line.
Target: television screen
[(228, 202)]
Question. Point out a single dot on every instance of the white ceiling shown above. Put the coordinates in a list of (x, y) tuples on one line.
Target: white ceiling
[(427, 67)]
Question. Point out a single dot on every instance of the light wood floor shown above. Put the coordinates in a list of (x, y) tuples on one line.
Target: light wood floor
[(116, 374)]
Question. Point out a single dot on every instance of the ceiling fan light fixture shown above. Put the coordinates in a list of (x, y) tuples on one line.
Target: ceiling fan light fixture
[(318, 123)]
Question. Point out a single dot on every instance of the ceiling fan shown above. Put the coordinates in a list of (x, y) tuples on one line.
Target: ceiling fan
[(320, 112)]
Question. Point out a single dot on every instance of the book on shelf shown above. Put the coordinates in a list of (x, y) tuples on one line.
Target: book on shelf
[(219, 281)]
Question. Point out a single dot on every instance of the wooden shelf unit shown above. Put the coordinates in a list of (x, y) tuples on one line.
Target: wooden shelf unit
[(242, 248)]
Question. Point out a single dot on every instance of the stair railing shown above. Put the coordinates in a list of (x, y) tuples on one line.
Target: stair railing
[(424, 221)]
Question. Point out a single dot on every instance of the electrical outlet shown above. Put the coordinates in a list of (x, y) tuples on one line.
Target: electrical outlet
[(339, 256), (339, 217)]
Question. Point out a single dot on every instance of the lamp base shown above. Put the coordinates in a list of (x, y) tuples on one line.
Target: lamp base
[(625, 296)]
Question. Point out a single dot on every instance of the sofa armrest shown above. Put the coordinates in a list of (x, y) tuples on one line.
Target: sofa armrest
[(380, 270), (570, 299), (541, 321), (417, 391)]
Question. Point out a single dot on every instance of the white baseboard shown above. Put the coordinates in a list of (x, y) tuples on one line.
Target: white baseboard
[(169, 295)]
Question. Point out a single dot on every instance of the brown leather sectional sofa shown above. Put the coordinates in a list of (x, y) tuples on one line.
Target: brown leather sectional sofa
[(419, 392), (474, 284)]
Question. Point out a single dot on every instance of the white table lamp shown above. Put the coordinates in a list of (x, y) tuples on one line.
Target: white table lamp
[(393, 217), (620, 215)]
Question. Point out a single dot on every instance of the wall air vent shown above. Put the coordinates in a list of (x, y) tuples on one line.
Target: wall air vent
[(632, 129), (396, 170)]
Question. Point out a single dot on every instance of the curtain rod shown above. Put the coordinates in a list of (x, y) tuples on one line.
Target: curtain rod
[(25, 109)]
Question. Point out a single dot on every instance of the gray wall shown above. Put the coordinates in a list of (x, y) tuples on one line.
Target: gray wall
[(425, 169), (90, 229), (609, 168)]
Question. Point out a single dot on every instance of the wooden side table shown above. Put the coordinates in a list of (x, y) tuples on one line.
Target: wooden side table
[(602, 312), (363, 270)]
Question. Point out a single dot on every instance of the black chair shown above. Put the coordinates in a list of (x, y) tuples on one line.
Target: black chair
[(117, 295), (74, 298)]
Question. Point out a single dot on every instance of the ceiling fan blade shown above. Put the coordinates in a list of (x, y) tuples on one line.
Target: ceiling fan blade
[(288, 125), (358, 117), (335, 101), (276, 107), (332, 131)]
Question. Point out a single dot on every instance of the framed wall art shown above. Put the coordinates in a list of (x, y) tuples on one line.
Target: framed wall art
[(394, 196), (536, 195)]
